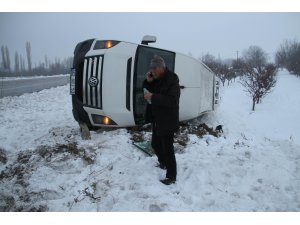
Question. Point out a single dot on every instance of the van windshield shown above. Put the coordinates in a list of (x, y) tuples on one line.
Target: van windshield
[(142, 63)]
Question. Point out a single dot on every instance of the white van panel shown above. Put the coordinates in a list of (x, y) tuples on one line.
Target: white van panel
[(188, 71), (206, 91)]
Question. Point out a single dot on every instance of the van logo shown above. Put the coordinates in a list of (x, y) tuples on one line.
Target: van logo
[(93, 81)]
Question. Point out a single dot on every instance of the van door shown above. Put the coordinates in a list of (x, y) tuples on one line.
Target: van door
[(143, 58)]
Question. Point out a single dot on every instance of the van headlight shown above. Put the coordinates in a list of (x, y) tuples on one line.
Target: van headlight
[(105, 120), (105, 44)]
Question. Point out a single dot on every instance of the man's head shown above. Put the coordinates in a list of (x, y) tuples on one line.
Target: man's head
[(157, 66)]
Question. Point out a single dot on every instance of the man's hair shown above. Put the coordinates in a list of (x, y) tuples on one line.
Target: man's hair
[(157, 61)]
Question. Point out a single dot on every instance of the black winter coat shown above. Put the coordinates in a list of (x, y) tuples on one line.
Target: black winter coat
[(163, 111)]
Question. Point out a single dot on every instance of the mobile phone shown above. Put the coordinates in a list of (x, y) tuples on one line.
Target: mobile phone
[(146, 91)]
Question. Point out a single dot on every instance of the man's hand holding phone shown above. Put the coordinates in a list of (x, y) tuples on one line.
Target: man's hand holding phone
[(149, 76)]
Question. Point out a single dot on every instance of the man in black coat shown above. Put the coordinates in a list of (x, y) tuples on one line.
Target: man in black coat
[(162, 91)]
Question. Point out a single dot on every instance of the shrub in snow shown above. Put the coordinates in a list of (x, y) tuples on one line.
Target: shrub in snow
[(259, 77), (258, 82)]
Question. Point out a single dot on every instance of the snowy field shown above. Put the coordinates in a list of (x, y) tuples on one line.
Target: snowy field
[(254, 166)]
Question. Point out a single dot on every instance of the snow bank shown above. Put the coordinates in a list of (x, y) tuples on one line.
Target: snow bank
[(254, 166)]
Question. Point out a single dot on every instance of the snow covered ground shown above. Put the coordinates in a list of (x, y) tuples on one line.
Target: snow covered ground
[(254, 166)]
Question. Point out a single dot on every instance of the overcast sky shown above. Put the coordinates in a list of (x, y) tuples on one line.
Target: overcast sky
[(221, 34)]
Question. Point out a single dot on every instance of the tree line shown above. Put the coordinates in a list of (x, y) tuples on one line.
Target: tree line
[(23, 66), (288, 56)]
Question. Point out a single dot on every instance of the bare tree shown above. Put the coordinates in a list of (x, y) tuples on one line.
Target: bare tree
[(259, 78), (219, 68), (20, 60), (7, 58), (267, 81), (21, 63), (281, 55), (255, 57), (288, 56), (46, 61), (4, 64), (258, 83), (28, 53), (231, 74), (210, 61), (17, 63), (222, 72), (68, 62)]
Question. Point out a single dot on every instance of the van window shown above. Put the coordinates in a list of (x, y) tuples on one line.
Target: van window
[(142, 64)]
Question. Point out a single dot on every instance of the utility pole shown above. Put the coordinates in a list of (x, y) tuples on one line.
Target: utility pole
[(237, 56)]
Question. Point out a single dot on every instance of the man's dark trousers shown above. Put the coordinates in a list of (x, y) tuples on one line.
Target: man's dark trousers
[(164, 150)]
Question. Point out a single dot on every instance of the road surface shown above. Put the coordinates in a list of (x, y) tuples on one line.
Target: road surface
[(21, 86)]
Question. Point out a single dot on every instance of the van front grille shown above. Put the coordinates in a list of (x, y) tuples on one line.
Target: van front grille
[(92, 81)]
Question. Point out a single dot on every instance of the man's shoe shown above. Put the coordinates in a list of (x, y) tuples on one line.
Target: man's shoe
[(161, 165), (168, 181)]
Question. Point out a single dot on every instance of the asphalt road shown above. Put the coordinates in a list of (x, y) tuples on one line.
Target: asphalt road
[(21, 86)]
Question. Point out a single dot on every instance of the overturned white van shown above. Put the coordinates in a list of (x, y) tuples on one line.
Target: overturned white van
[(107, 77)]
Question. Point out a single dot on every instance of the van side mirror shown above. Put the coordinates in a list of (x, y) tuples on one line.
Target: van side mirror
[(148, 39)]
